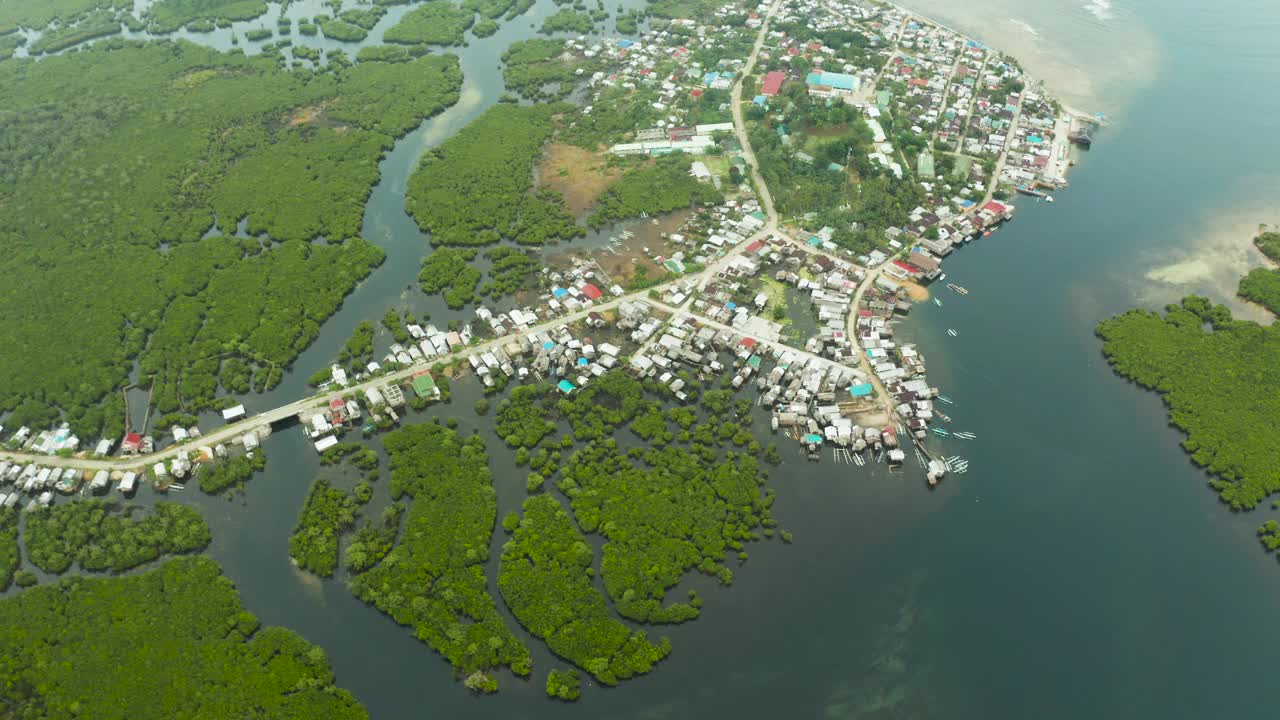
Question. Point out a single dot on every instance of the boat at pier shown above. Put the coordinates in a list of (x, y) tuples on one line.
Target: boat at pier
[(957, 289)]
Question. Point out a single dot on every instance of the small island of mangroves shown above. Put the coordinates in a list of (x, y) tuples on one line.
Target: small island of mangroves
[(1216, 375)]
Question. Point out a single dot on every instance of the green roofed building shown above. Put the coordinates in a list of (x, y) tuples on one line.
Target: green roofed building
[(425, 385), (924, 167), (832, 84)]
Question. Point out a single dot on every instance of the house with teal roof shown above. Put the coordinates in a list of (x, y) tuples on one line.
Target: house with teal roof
[(832, 84)]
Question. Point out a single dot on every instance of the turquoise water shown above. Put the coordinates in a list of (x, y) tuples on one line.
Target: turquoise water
[(1080, 569)]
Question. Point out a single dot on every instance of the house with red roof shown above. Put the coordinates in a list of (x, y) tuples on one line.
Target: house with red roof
[(773, 82), (132, 442), (591, 291), (900, 270)]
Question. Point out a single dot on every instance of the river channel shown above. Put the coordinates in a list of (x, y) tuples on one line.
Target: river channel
[(1079, 569)]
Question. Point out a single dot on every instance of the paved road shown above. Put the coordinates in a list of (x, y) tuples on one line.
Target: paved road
[(233, 431), (770, 226), (863, 361), (1004, 153), (946, 92), (740, 126), (780, 346), (897, 41)]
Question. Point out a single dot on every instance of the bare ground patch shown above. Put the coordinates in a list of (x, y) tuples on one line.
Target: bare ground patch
[(623, 261), (915, 291), (580, 175), (314, 115), (304, 115)]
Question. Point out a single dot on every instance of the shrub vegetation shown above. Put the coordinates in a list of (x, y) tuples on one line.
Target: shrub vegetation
[(543, 577), (117, 160), (437, 22), (327, 513), (92, 648), (474, 188), (101, 535), (1209, 368), (433, 578)]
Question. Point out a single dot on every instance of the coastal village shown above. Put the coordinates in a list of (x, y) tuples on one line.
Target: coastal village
[(969, 128)]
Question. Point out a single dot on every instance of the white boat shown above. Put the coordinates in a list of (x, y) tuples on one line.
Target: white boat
[(937, 302)]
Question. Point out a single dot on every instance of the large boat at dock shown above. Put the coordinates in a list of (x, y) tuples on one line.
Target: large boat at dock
[(1081, 137)]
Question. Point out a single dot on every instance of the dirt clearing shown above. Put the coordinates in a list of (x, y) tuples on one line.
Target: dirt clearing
[(579, 175)]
